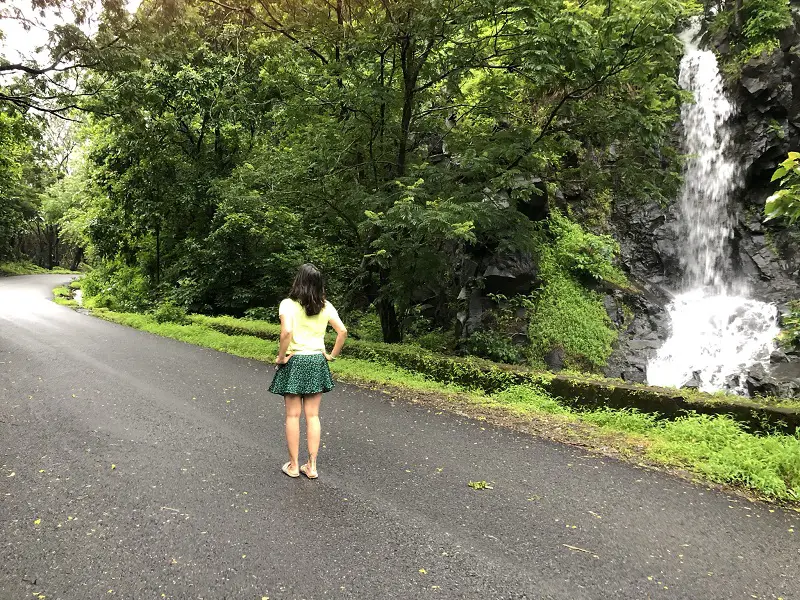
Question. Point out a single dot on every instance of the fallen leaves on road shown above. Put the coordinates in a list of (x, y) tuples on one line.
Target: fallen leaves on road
[(480, 485)]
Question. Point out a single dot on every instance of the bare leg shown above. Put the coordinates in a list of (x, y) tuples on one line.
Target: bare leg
[(293, 407), (311, 409)]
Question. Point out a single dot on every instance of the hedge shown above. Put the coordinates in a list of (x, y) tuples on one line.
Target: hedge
[(574, 390)]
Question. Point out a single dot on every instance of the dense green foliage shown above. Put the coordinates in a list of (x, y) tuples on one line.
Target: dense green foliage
[(565, 313), (17, 200), (223, 144), (790, 327), (785, 203)]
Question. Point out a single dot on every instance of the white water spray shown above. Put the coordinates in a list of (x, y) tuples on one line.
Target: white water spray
[(714, 334)]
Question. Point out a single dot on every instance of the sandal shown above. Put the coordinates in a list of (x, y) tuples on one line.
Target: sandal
[(285, 469), (306, 470)]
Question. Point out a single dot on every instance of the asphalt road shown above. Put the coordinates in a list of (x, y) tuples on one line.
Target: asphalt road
[(133, 466)]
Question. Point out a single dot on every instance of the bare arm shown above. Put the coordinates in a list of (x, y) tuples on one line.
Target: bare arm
[(341, 336), (286, 338)]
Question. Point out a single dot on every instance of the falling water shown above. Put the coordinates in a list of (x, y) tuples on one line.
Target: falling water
[(711, 171), (717, 332)]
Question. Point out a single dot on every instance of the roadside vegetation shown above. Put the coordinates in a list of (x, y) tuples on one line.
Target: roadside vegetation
[(28, 268), (64, 296), (713, 448)]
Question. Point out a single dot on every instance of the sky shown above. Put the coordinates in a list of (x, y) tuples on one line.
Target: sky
[(19, 43)]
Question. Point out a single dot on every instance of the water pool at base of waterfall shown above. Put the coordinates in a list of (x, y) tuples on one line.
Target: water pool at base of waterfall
[(715, 338)]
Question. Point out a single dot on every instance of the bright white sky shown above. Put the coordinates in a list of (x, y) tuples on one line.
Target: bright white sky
[(20, 42)]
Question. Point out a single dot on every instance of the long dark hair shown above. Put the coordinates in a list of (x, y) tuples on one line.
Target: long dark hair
[(309, 289)]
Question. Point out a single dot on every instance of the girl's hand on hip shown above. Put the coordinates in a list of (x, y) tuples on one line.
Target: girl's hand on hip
[(328, 357), (282, 360)]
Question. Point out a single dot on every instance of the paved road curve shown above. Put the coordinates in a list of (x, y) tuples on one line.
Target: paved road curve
[(133, 466)]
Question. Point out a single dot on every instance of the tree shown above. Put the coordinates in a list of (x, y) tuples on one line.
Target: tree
[(21, 179), (462, 102), (56, 80), (384, 140)]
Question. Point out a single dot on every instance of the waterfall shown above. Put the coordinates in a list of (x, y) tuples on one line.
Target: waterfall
[(717, 332), (711, 172)]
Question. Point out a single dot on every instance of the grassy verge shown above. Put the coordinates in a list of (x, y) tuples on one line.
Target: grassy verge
[(582, 391), (28, 268), (713, 447), (473, 372), (63, 296)]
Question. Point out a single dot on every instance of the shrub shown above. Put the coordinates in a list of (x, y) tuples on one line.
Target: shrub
[(260, 313), (581, 252), (789, 337), (563, 312), (569, 316), (494, 346), (366, 326), (167, 312), (118, 287), (436, 341), (20, 268), (764, 18)]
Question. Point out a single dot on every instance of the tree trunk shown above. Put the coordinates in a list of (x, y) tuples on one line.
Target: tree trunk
[(76, 260), (56, 246), (739, 16), (158, 254), (390, 326), (49, 235), (409, 83)]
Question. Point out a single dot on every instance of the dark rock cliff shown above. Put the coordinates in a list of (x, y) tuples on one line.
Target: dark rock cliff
[(767, 128)]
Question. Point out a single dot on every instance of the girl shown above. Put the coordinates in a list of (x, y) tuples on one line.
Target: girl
[(302, 363)]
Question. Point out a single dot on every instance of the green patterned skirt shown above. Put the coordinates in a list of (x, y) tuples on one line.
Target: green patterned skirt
[(303, 374)]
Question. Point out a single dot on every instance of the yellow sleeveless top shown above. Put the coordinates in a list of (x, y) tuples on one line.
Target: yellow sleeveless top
[(308, 333)]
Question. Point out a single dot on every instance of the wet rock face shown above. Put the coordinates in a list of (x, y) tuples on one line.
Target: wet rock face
[(782, 380), (506, 275), (649, 242), (764, 254), (767, 127), (640, 339)]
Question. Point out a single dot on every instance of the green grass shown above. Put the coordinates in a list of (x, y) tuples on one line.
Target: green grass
[(530, 398), (363, 371), (440, 367), (715, 448), (28, 268), (241, 326), (63, 296), (199, 335), (21, 268)]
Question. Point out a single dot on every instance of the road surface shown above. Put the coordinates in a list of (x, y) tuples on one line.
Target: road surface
[(133, 466)]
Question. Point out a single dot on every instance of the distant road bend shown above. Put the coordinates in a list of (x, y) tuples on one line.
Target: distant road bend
[(139, 467)]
